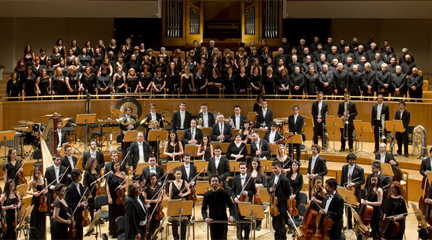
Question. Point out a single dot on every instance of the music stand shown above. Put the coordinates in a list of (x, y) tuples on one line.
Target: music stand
[(117, 113), (157, 136), (364, 127), (395, 126), (171, 165), (234, 166), (6, 136), (202, 187), (266, 166), (359, 226), (94, 224), (429, 176), (86, 120), (349, 198), (141, 166), (192, 149), (296, 139), (179, 210), (251, 212), (206, 130), (265, 198), (386, 168), (419, 216), (251, 116), (24, 223), (336, 123)]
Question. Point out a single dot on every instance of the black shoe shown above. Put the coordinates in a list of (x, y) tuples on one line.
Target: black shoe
[(399, 153), (406, 155), (342, 150)]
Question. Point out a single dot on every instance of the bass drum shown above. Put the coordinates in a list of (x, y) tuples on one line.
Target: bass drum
[(132, 103)]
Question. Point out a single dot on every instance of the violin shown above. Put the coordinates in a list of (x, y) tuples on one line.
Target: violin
[(72, 232), (99, 189), (159, 213), (43, 206), (192, 195), (257, 196), (274, 210), (21, 179), (121, 200), (244, 198), (85, 219), (292, 203), (2, 223)]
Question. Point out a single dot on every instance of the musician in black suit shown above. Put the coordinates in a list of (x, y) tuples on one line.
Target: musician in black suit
[(295, 124), (426, 164), (188, 170), (69, 162), (402, 137), (237, 120), (384, 156), (152, 168), (74, 193), (60, 134), (181, 118), (319, 112), (272, 135), (259, 148), (153, 115), (221, 131), (377, 111), (207, 118), (279, 186), (127, 124), (192, 135), (385, 181), (243, 185), (347, 109), (54, 174), (135, 212), (109, 165), (138, 152), (219, 165), (333, 208), (265, 116), (317, 166), (352, 176), (93, 153)]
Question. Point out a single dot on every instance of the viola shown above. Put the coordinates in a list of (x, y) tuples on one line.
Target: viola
[(43, 206), (292, 203), (121, 200), (85, 219), (257, 197), (72, 232), (274, 210), (192, 195), (159, 213), (99, 189)]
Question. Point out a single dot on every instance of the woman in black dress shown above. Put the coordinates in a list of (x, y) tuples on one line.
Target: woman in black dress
[(88, 81), (104, 81), (56, 57), (84, 57), (178, 189), (162, 65), (37, 68), (28, 56), (151, 189), (242, 81), (230, 82), (318, 192), (246, 132), (256, 81), (113, 47), (205, 149), (214, 82), (90, 175), (200, 80), (13, 87), (114, 180), (78, 65), (89, 49), (119, 81), (75, 49), (284, 82), (43, 83), (374, 198), (61, 48), (72, 81), (145, 78), (58, 82), (187, 82), (257, 173), (295, 179), (159, 81), (37, 188), (269, 82), (70, 57), (396, 209), (98, 57), (42, 57), (173, 147), (21, 70), (172, 78), (61, 214), (237, 149), (10, 203), (29, 83), (132, 82), (258, 104)]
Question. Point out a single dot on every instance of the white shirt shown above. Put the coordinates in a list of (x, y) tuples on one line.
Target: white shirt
[(382, 157), (182, 119), (205, 119), (217, 160), (329, 200), (59, 133), (319, 109), (187, 169), (295, 118), (57, 172), (237, 121), (379, 108), (141, 152), (78, 188), (264, 110), (152, 169), (401, 113), (221, 128), (92, 154), (276, 179), (71, 162), (142, 205), (153, 116), (350, 171), (272, 136), (193, 131)]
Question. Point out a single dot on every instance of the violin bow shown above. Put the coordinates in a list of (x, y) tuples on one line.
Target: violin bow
[(22, 164), (100, 178), (79, 202), (245, 185), (352, 180), (194, 178), (61, 176), (128, 176)]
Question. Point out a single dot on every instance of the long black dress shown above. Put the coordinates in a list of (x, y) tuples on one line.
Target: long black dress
[(132, 83), (115, 210), (199, 81), (187, 84), (233, 149), (372, 196), (13, 89), (73, 83), (207, 153), (10, 218), (172, 80), (175, 223), (12, 171), (60, 230), (89, 177), (145, 79), (296, 185), (58, 84), (393, 207), (30, 82), (118, 81), (173, 149), (154, 224), (38, 219), (44, 85)]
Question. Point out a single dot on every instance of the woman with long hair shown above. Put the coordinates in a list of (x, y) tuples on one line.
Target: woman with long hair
[(43, 83), (200, 80), (173, 147), (10, 203), (246, 132), (91, 174), (318, 193), (36, 188), (58, 82), (257, 173), (295, 179), (56, 57), (284, 159), (172, 78), (145, 77), (256, 81), (374, 198), (119, 81), (61, 214), (395, 210), (179, 189), (159, 81), (28, 56), (205, 149), (187, 82), (153, 196), (13, 87), (115, 181)]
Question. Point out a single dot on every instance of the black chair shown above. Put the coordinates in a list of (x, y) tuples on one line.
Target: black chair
[(303, 198), (70, 130), (37, 155), (121, 226), (99, 202)]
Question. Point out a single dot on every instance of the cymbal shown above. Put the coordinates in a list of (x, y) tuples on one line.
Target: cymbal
[(55, 114), (21, 128), (26, 122)]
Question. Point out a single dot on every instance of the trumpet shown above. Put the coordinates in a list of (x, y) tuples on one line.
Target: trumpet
[(346, 123), (382, 129)]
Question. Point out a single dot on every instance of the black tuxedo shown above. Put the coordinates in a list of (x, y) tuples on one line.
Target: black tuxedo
[(358, 172), (192, 172), (265, 149), (99, 157), (176, 120), (236, 191), (283, 191), (425, 166), (134, 214), (72, 199), (388, 157), (278, 136), (124, 128), (296, 128), (242, 119), (50, 176), (146, 172), (318, 127), (133, 157), (264, 120), (377, 123), (335, 212), (215, 132), (63, 137), (158, 119), (66, 164), (402, 137), (352, 111), (187, 136), (223, 169), (210, 119), (320, 167)]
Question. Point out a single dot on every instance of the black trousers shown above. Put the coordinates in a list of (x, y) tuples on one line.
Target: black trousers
[(243, 227), (377, 125), (402, 138), (279, 225), (175, 229), (218, 231), (350, 136), (298, 150), (318, 131), (154, 224)]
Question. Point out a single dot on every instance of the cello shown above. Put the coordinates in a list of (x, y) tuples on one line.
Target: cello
[(366, 211), (389, 229), (324, 224)]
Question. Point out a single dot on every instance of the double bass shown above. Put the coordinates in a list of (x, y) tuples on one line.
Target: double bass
[(389, 229), (324, 224)]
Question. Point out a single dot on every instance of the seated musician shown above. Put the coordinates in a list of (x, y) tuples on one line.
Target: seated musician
[(173, 147), (237, 120), (221, 131), (138, 152), (426, 164), (333, 208), (259, 147), (192, 135), (246, 132), (273, 135), (243, 189), (205, 149), (374, 198), (237, 149), (384, 156), (395, 209)]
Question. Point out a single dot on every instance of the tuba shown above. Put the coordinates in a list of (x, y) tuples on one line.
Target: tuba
[(419, 141)]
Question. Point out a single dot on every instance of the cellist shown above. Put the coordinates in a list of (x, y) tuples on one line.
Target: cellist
[(374, 198), (395, 209), (333, 208), (243, 188), (280, 187)]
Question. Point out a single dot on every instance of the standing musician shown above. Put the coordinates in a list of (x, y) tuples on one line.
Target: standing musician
[(395, 209), (139, 152), (36, 188), (207, 119), (10, 203), (402, 137), (295, 179), (333, 208), (384, 180), (153, 197), (347, 109), (153, 116), (188, 170), (318, 192), (90, 175), (109, 165), (192, 135), (280, 187), (74, 193), (378, 110), (152, 168), (283, 158), (259, 147), (52, 173), (319, 111), (295, 123), (243, 189), (136, 213), (217, 201), (115, 181), (221, 131), (61, 136), (205, 149), (273, 135), (426, 164), (178, 189), (173, 147), (62, 213), (237, 120), (219, 165), (94, 153), (12, 167), (69, 162), (353, 178), (374, 198), (237, 150), (384, 156), (265, 116), (181, 118), (129, 118), (317, 166)]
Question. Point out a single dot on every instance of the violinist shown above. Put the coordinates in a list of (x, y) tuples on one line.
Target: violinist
[(90, 175), (74, 193), (205, 149), (10, 203), (333, 208), (152, 168), (54, 174), (260, 182), (135, 212), (295, 179), (12, 167), (385, 181), (37, 188), (318, 192), (61, 214), (114, 158), (188, 171), (281, 188), (283, 158), (178, 189), (151, 189), (113, 181), (374, 198), (273, 135), (219, 165), (246, 132), (317, 165), (69, 162), (395, 209), (243, 189)]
